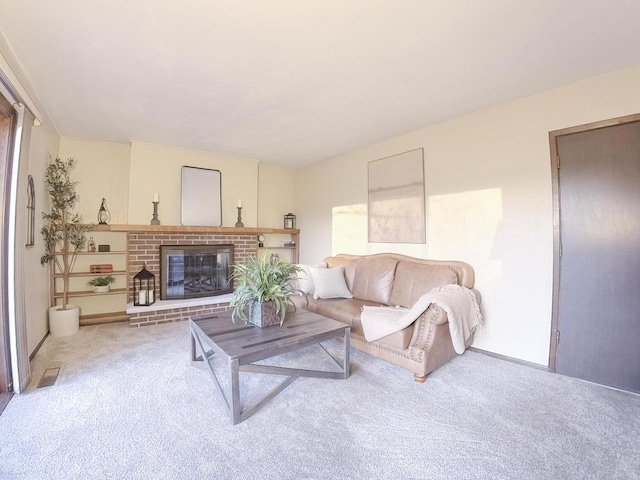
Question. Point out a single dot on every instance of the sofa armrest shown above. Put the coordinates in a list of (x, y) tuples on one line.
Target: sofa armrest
[(439, 315), (424, 326)]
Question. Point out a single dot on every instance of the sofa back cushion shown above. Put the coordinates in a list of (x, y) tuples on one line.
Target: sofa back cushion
[(412, 280), (332, 262), (371, 278)]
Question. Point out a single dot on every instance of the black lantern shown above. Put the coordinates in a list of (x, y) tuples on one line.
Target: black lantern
[(289, 220), (144, 288), (104, 216)]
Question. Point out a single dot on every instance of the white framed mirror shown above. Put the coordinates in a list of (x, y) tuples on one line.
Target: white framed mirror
[(201, 197)]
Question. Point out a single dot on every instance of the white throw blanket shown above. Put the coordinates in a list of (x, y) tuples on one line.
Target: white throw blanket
[(460, 303)]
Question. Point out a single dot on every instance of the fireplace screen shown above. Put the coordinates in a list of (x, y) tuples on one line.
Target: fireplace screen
[(190, 271)]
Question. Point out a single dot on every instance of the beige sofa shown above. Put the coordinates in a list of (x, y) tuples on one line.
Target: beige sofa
[(392, 279)]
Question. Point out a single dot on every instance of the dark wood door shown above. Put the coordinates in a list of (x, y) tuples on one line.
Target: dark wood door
[(599, 284)]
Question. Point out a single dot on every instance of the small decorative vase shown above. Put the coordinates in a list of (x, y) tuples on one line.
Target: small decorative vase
[(101, 288), (263, 314)]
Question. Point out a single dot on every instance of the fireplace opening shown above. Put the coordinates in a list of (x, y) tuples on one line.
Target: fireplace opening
[(192, 271)]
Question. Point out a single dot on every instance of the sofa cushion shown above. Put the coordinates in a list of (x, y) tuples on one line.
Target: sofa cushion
[(372, 278), (330, 283), (342, 310), (348, 311), (412, 280), (398, 340), (332, 262), (303, 280)]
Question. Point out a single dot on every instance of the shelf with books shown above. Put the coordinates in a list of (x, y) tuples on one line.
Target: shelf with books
[(92, 264)]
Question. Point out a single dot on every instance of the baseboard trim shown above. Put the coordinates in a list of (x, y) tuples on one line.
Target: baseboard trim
[(35, 350), (510, 359), (4, 400), (546, 369)]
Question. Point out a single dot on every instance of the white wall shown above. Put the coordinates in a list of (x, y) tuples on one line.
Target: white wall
[(157, 169), (102, 171), (275, 196), (128, 176), (488, 201), (44, 142)]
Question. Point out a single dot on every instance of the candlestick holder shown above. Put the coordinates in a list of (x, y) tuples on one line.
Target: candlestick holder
[(239, 222), (155, 220)]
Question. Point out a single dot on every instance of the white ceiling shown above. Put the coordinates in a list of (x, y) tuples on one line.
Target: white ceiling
[(289, 82)]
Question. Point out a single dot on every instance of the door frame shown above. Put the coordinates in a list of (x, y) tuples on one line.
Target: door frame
[(557, 236), (6, 380)]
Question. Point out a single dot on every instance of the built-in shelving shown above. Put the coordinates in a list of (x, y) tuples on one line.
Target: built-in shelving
[(99, 318), (89, 274), (115, 252), (96, 307), (91, 293), (273, 243)]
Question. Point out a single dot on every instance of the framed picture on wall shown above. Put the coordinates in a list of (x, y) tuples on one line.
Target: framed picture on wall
[(396, 210)]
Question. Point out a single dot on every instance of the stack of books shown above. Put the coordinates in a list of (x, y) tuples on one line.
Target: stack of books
[(101, 268)]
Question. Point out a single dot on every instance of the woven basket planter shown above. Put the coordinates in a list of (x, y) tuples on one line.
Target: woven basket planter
[(263, 314)]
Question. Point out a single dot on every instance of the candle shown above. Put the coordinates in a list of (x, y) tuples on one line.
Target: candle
[(156, 197), (150, 296), (239, 203), (142, 297)]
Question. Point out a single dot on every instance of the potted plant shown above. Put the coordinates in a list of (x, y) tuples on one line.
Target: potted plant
[(265, 288), (64, 236), (101, 284)]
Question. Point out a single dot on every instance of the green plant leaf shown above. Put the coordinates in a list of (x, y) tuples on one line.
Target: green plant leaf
[(63, 230), (261, 280), (102, 281)]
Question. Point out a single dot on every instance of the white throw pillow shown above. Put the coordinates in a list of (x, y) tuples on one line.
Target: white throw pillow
[(304, 281), (330, 283)]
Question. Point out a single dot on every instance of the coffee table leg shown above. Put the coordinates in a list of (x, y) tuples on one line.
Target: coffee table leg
[(236, 407), (193, 347), (347, 351)]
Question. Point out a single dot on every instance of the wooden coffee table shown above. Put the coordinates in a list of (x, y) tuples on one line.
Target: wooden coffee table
[(239, 346)]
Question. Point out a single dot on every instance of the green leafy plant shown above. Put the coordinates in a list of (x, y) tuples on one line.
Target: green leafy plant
[(263, 281), (102, 281), (63, 232)]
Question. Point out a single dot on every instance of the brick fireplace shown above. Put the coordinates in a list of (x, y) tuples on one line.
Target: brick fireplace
[(144, 249)]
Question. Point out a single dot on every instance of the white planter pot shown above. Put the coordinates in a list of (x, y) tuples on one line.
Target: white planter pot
[(101, 288), (64, 322)]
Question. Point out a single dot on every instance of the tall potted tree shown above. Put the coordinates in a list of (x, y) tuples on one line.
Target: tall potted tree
[(64, 235)]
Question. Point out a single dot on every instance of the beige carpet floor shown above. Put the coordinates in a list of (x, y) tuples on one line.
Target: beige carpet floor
[(128, 404)]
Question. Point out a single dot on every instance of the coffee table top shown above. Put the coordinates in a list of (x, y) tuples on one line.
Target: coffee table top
[(249, 343)]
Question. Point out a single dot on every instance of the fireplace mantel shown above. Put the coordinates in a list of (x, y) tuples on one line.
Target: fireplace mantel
[(187, 229)]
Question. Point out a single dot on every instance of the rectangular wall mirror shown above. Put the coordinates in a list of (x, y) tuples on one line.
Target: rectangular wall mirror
[(201, 197)]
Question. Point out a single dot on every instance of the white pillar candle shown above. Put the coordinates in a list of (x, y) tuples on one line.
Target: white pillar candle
[(156, 197), (239, 203), (150, 296), (142, 296)]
